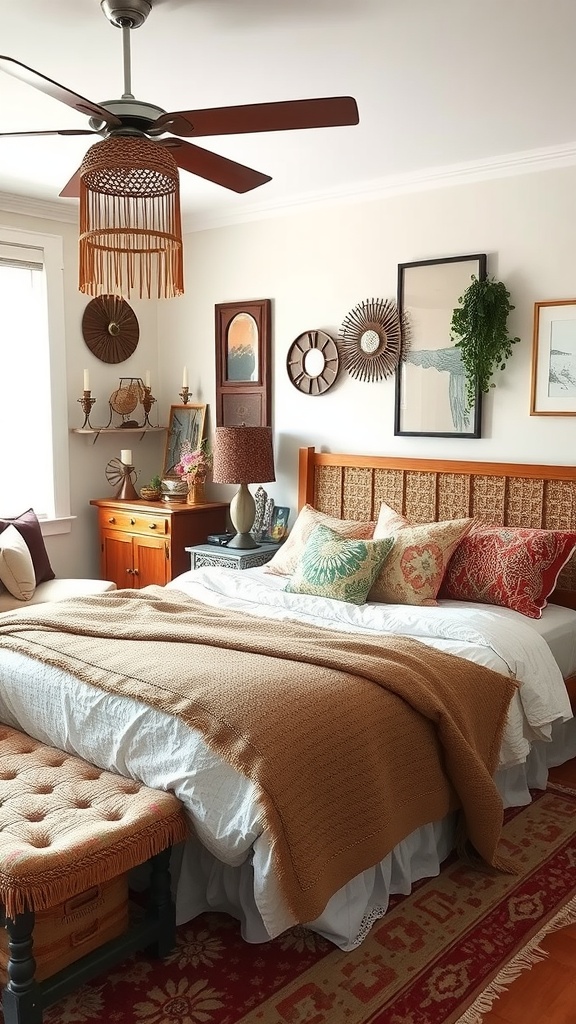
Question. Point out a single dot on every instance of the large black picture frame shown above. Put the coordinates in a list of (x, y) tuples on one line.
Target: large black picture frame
[(430, 381)]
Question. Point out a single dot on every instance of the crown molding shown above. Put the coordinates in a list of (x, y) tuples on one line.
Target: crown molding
[(30, 207), (523, 162), (508, 165)]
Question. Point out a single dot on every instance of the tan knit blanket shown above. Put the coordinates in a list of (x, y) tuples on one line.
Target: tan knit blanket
[(353, 741)]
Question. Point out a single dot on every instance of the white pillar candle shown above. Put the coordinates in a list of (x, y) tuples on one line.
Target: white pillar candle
[(147, 379), (86, 381), (185, 377), (126, 456)]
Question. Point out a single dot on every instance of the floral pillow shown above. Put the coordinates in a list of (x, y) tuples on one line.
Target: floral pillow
[(514, 567), (341, 568), (414, 571), (286, 558)]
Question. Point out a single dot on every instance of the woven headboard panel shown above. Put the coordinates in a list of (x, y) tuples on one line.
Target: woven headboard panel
[(427, 490)]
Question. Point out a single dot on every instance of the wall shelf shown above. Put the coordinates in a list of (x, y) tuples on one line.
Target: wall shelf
[(96, 431)]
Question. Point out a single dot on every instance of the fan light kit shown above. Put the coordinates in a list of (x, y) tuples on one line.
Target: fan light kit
[(128, 184)]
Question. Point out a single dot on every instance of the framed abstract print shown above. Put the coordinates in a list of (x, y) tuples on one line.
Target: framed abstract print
[(243, 363), (554, 359), (430, 382)]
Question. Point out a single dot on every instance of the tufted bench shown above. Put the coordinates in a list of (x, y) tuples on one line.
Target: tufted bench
[(67, 827)]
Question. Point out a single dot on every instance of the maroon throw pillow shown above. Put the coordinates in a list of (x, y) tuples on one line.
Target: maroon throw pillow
[(29, 529)]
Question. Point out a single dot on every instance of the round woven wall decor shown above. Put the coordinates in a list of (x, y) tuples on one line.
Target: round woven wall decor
[(373, 339), (110, 328)]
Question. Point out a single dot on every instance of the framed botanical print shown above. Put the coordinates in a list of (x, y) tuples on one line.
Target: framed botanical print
[(185, 423), (430, 382), (243, 363), (554, 359)]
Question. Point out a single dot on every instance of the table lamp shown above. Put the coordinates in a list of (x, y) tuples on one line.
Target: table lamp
[(243, 455)]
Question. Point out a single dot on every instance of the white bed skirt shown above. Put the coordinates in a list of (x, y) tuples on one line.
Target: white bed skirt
[(228, 867), (204, 883)]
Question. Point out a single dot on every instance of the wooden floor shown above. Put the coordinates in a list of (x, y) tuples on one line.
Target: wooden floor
[(546, 994)]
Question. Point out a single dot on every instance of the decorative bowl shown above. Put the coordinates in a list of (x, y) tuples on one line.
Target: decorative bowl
[(174, 489)]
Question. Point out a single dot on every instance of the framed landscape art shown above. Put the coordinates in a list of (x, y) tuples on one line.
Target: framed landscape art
[(243, 367), (185, 423), (553, 390), (430, 381)]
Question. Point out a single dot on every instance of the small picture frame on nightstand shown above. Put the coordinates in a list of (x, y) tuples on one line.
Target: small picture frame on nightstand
[(278, 529)]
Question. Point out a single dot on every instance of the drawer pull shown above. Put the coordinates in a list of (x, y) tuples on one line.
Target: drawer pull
[(153, 526), (81, 900), (132, 522), (112, 519)]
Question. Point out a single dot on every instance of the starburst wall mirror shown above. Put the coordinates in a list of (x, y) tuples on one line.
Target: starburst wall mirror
[(373, 339)]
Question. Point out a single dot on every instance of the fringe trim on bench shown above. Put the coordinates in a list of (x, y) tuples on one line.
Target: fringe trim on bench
[(72, 875)]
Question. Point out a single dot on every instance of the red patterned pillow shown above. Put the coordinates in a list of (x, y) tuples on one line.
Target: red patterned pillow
[(509, 566)]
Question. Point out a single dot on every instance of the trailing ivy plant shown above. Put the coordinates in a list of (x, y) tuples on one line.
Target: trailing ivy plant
[(480, 325)]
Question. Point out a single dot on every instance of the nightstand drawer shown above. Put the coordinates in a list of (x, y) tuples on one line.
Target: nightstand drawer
[(132, 522)]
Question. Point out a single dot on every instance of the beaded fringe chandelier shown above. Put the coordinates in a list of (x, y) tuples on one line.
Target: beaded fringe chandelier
[(130, 225)]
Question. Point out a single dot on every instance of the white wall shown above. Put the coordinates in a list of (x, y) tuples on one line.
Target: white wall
[(318, 264)]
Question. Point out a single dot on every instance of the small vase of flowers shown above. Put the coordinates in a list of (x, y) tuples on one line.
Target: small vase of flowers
[(193, 468)]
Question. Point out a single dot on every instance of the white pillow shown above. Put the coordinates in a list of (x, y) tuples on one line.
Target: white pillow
[(16, 566)]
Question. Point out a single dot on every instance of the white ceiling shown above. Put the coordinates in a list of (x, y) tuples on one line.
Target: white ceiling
[(437, 82)]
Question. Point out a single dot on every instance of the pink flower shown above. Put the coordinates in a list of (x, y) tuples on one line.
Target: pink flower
[(194, 462)]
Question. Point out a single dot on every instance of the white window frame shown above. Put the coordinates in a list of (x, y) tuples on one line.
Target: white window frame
[(53, 250)]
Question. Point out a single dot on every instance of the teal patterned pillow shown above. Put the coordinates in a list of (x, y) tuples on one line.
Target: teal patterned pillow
[(341, 568)]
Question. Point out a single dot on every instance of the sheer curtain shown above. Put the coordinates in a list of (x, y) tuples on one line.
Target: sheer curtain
[(26, 442)]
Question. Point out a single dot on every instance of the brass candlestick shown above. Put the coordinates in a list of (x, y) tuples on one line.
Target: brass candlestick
[(185, 395), (86, 402), (147, 402)]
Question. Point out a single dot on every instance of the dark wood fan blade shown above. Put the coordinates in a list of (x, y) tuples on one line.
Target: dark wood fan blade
[(61, 131), (58, 92), (262, 117), (72, 188), (213, 167)]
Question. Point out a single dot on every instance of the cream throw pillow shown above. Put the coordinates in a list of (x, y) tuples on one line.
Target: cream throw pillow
[(16, 566), (415, 568), (287, 557)]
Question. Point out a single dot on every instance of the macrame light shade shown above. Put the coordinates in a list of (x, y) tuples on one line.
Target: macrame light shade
[(130, 224)]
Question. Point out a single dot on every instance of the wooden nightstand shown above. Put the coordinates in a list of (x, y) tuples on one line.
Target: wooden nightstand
[(143, 542), (231, 558)]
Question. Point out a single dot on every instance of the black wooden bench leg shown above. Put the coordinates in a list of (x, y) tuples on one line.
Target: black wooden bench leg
[(161, 905), (21, 999)]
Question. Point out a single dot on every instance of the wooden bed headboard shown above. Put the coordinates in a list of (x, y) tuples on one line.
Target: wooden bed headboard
[(427, 490)]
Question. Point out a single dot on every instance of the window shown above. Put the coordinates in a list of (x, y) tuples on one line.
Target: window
[(33, 406)]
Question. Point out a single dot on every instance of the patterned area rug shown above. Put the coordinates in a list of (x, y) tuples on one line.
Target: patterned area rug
[(439, 956)]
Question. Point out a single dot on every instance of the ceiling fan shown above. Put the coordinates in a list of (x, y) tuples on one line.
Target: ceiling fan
[(131, 117)]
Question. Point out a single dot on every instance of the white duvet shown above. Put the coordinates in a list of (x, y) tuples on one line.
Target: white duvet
[(143, 743)]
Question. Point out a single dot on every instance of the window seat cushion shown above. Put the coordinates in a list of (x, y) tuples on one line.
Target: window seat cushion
[(56, 590)]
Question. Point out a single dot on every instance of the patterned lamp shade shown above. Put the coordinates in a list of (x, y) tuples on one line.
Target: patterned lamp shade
[(243, 455)]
